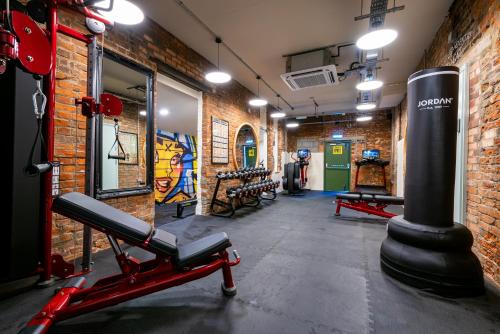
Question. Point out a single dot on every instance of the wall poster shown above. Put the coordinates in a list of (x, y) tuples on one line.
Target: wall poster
[(220, 141)]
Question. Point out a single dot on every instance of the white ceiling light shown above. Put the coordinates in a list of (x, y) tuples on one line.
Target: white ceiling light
[(364, 118), (218, 77), (376, 39), (278, 114), (366, 106), (258, 101), (164, 112), (143, 113), (369, 85), (123, 12), (292, 125)]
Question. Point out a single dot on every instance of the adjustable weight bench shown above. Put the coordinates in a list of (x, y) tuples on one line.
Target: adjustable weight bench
[(173, 265), (370, 203)]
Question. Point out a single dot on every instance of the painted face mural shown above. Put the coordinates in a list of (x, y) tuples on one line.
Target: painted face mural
[(175, 167)]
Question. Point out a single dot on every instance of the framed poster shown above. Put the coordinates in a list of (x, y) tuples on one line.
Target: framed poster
[(220, 141), (130, 146)]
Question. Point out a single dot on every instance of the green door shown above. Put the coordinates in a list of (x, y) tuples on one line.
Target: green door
[(249, 156), (337, 166)]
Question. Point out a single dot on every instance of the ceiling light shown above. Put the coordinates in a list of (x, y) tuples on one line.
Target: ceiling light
[(143, 113), (366, 106), (369, 85), (218, 77), (164, 112), (292, 125), (376, 39), (258, 101), (364, 118), (278, 114), (371, 55), (123, 12)]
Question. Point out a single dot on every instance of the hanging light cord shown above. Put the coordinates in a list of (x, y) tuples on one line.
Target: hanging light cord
[(207, 28)]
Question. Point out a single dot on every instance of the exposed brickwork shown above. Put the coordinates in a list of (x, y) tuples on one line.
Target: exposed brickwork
[(139, 44), (479, 21), (375, 134)]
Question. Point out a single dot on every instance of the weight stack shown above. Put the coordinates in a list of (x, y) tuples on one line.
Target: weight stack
[(424, 247)]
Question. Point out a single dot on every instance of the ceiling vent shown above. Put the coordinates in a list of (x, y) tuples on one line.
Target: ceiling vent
[(313, 77), (310, 69)]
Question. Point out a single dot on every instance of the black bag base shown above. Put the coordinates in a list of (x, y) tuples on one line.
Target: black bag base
[(447, 272)]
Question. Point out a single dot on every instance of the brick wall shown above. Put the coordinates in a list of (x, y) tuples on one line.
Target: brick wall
[(478, 21), (375, 134), (139, 44)]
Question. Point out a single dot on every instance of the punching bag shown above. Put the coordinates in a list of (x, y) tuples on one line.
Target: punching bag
[(424, 247)]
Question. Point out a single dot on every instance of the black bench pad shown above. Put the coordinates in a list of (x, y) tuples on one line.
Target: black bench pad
[(101, 216), (164, 242), (200, 249), (390, 199), (349, 196)]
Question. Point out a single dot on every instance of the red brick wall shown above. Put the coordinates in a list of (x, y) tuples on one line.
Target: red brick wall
[(480, 20), (375, 134), (137, 43)]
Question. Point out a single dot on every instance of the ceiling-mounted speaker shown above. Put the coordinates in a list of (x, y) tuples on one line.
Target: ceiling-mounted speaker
[(96, 27)]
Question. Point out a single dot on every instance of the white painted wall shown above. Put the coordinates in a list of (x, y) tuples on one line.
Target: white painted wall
[(400, 178), (263, 136)]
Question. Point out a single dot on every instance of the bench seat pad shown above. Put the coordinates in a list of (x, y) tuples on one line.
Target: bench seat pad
[(200, 249), (164, 242), (390, 199), (349, 196), (101, 216)]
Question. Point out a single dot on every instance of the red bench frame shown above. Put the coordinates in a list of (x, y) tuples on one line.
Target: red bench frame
[(364, 206), (135, 280)]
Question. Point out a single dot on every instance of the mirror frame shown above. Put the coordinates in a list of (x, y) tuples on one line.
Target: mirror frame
[(149, 177), (236, 139)]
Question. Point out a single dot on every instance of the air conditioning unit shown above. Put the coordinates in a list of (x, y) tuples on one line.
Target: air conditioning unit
[(313, 77), (310, 69)]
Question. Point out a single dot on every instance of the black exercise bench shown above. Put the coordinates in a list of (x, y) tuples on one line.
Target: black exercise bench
[(173, 265), (370, 203)]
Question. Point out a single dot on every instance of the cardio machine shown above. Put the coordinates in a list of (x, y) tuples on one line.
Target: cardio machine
[(295, 174), (371, 158)]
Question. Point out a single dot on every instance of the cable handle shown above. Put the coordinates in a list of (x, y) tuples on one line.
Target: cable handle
[(39, 112)]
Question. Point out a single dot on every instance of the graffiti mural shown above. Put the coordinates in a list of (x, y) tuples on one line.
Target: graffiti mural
[(175, 167)]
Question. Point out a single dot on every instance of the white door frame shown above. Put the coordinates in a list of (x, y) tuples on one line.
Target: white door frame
[(198, 95)]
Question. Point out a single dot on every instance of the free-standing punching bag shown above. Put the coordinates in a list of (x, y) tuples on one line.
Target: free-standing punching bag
[(425, 248)]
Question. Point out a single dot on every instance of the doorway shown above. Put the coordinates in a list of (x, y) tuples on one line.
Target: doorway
[(337, 166), (177, 145)]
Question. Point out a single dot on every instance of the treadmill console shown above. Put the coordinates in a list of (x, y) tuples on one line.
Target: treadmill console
[(371, 154)]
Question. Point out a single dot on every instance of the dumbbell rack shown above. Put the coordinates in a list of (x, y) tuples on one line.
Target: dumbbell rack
[(254, 197)]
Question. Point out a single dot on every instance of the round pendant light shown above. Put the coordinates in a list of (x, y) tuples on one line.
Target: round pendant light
[(369, 85), (218, 76), (366, 106), (377, 39), (278, 113), (292, 125), (364, 118), (258, 101), (123, 12)]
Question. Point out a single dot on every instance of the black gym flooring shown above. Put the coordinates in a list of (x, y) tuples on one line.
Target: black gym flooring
[(303, 270)]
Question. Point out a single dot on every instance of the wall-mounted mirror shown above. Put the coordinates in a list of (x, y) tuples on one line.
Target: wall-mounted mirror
[(125, 160), (246, 145)]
